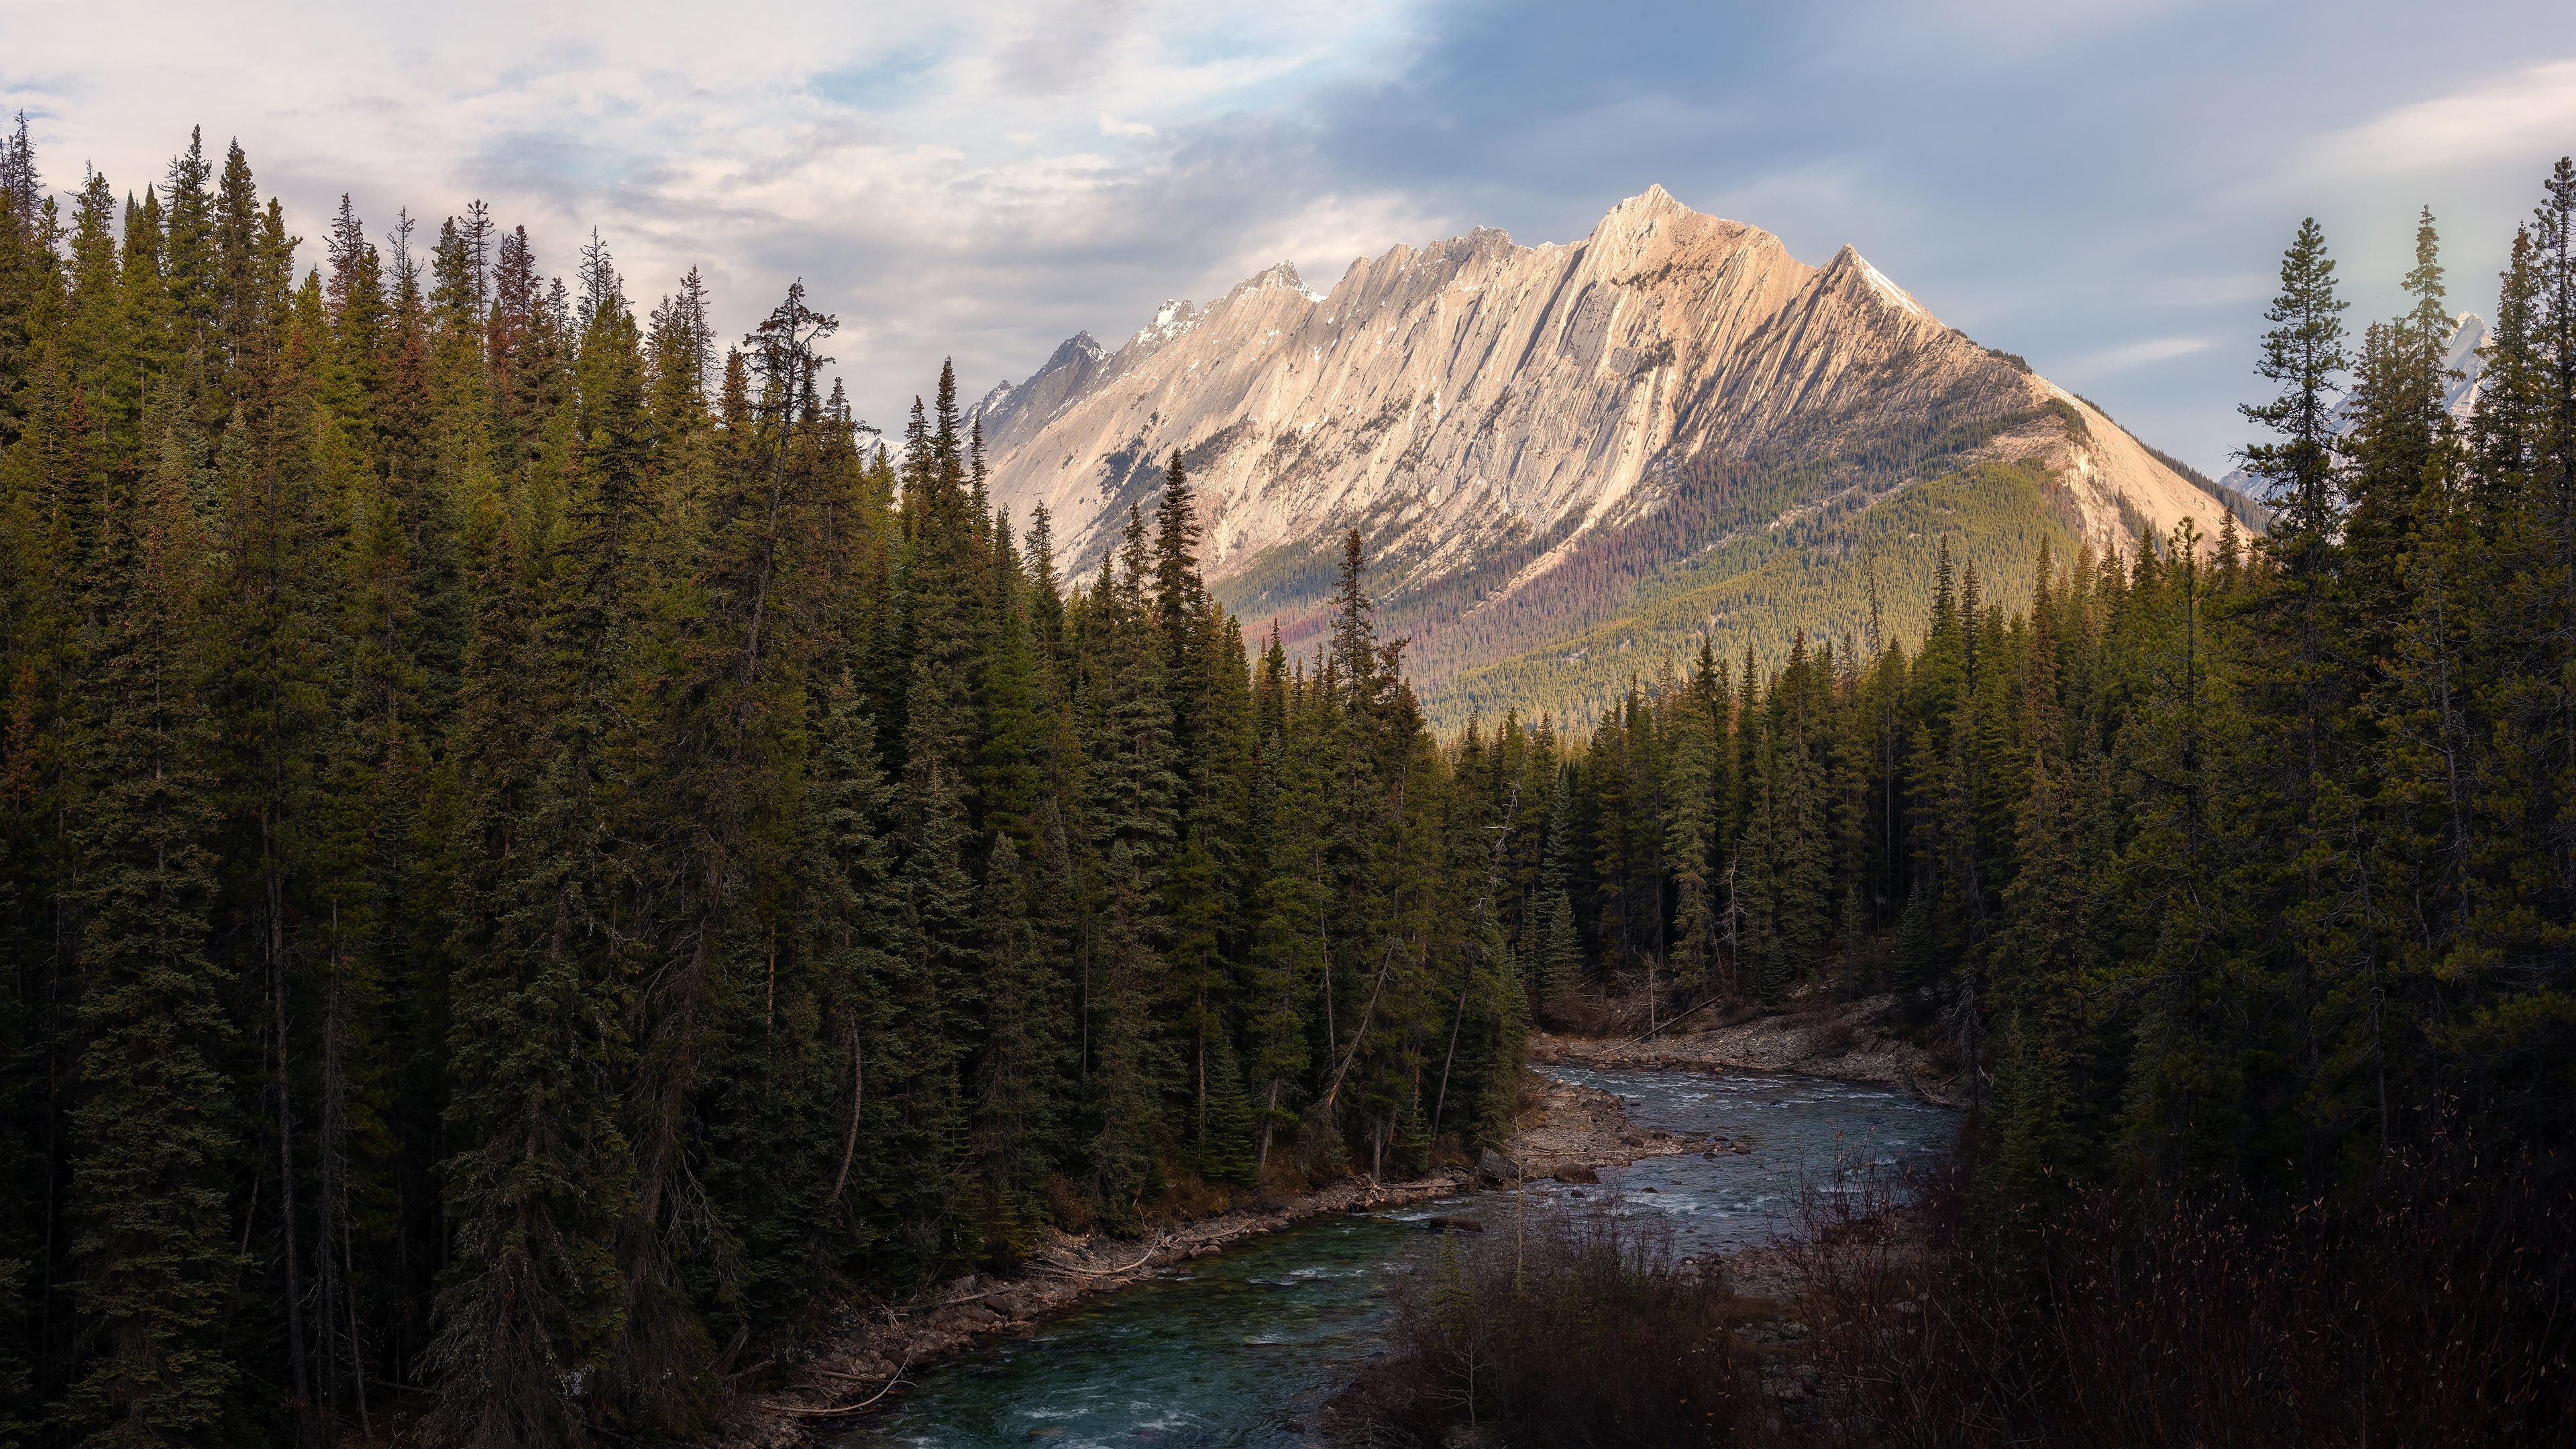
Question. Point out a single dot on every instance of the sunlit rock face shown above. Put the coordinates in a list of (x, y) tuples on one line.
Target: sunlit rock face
[(1479, 405)]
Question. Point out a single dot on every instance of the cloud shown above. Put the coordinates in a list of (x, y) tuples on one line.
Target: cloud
[(983, 178), (2509, 117), (2138, 354), (978, 179)]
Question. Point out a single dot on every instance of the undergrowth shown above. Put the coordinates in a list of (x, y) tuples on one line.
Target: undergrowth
[(2430, 1305), (1571, 1331)]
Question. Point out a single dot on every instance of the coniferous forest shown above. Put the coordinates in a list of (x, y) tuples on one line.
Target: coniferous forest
[(540, 857)]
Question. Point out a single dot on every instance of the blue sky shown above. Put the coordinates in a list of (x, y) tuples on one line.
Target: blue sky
[(2102, 188)]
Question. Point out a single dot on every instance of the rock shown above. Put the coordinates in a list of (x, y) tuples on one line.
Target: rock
[(977, 1315), (1493, 1166), (1446, 1224), (1577, 1174), (1665, 332)]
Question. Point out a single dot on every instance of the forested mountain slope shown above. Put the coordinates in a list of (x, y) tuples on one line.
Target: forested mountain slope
[(1670, 426)]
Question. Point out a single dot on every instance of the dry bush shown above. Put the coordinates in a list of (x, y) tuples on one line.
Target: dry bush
[(1067, 1204), (1593, 1012), (1281, 1182), (1188, 1197), (1738, 1012), (2434, 1309), (1575, 1331)]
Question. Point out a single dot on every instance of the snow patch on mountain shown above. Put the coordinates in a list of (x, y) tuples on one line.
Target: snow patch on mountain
[(1888, 291), (1172, 319), (1478, 406)]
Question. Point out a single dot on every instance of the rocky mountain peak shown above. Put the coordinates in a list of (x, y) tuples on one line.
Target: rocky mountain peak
[(1499, 419), (1281, 275), (1171, 320), (1850, 272)]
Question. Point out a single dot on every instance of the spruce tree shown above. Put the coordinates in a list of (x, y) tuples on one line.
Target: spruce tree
[(541, 1186), (152, 1139)]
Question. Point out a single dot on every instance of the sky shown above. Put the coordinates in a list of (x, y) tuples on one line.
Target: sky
[(2103, 188)]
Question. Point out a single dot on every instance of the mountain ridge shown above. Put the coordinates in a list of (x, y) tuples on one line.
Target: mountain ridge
[(1493, 417)]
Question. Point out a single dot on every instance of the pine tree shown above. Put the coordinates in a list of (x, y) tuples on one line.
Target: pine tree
[(151, 1142), (1799, 849), (541, 1187), (1016, 1088), (848, 918), (1558, 953), (98, 344), (1693, 831), (1290, 954), (1133, 819)]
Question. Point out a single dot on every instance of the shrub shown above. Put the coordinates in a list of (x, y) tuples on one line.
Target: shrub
[(1574, 1331), (2431, 1306)]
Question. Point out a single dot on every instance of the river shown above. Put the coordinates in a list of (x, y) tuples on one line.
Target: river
[(1241, 1349)]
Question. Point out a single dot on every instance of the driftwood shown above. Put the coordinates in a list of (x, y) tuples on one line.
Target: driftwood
[(1905, 1078), (1672, 1022), (1101, 1272), (853, 1378), (838, 1411)]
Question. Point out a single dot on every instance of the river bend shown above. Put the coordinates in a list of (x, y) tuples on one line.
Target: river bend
[(1241, 1349)]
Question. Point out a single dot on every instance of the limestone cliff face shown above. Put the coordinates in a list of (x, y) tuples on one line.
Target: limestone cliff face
[(1478, 404)]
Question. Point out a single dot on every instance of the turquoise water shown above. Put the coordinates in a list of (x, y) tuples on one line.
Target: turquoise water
[(1805, 1133), (1243, 1348)]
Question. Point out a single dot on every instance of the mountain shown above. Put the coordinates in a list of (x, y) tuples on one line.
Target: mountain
[(1571, 459), (2467, 361)]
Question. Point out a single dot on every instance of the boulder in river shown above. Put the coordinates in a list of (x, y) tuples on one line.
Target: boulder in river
[(1446, 1224), (1577, 1174)]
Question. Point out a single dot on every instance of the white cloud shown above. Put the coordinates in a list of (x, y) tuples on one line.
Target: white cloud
[(2050, 177), (937, 175), (2138, 354), (1985, 34), (2517, 115)]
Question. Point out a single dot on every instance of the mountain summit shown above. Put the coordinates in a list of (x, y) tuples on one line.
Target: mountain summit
[(1560, 453)]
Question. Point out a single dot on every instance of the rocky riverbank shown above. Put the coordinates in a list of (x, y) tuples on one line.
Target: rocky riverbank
[(868, 1348), (1891, 1039)]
